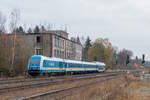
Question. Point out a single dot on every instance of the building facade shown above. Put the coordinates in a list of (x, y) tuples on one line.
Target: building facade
[(53, 44)]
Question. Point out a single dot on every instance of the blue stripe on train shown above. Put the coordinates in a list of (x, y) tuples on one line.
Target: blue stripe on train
[(51, 71), (62, 71)]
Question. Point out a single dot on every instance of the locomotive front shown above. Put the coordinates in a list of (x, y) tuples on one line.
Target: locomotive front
[(34, 65)]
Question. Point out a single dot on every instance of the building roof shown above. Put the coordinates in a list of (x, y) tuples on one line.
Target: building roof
[(53, 32), (57, 31)]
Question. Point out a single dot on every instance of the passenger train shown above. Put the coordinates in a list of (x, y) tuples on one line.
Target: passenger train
[(39, 64)]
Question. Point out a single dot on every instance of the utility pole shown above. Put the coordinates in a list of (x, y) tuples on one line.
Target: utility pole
[(127, 60), (143, 59)]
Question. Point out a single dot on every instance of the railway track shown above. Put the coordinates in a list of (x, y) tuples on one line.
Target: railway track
[(33, 84), (55, 93), (15, 80), (19, 80), (2, 82)]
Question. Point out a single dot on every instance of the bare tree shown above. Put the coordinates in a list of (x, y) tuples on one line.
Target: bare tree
[(2, 41), (49, 27), (42, 29), (15, 17), (25, 27), (2, 22), (122, 56)]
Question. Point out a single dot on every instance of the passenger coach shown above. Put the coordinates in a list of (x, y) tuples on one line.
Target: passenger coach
[(47, 65)]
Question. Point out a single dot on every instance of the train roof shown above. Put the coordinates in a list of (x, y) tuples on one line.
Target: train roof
[(48, 58), (70, 61), (53, 58), (79, 62), (101, 63)]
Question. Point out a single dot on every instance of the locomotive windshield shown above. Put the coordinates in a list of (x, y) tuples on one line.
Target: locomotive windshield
[(35, 61)]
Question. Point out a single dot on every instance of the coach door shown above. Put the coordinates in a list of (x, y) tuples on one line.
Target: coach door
[(62, 66)]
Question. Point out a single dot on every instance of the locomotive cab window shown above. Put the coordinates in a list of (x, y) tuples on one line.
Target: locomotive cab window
[(35, 61)]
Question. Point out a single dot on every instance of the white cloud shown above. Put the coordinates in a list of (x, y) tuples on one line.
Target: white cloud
[(125, 22)]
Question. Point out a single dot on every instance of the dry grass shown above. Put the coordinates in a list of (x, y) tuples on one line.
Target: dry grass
[(30, 91), (123, 88), (117, 89)]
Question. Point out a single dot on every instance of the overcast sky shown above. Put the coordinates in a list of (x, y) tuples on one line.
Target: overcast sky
[(125, 22)]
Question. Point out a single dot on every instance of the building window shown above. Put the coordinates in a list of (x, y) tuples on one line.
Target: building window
[(38, 39), (58, 42), (55, 41), (55, 53), (63, 44), (39, 51), (60, 55), (63, 54)]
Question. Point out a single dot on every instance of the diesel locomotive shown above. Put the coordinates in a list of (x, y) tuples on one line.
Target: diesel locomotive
[(39, 64)]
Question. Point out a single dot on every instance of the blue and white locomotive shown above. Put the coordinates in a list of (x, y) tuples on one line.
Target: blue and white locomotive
[(47, 65)]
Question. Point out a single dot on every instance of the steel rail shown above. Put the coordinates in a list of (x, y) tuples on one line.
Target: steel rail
[(49, 82), (15, 80)]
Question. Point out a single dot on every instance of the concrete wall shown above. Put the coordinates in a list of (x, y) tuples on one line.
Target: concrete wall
[(78, 52), (28, 42)]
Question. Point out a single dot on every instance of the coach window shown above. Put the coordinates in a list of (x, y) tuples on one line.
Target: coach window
[(38, 39)]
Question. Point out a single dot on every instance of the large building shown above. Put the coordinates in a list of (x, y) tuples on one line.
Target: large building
[(53, 44)]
